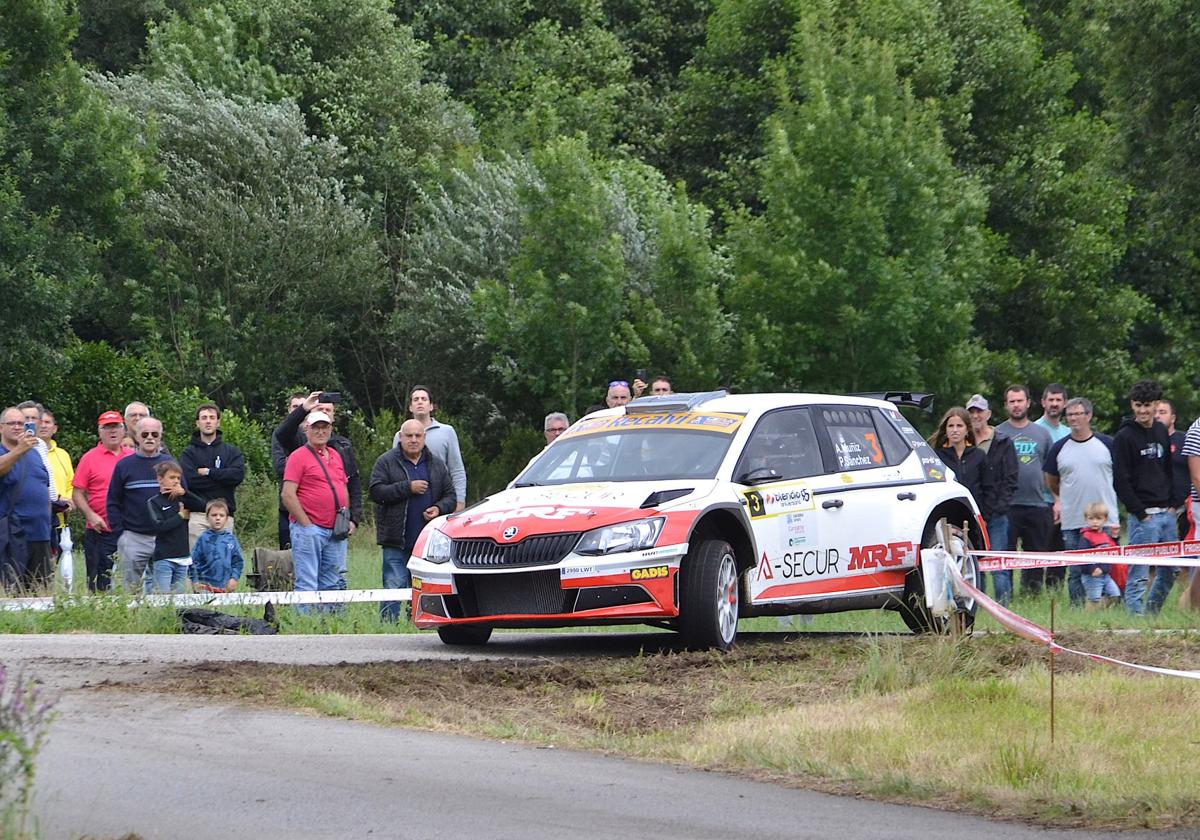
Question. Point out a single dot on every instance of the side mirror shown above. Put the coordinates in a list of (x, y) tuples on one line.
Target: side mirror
[(762, 475)]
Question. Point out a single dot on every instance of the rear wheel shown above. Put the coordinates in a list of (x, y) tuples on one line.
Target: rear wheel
[(709, 596), (464, 634), (913, 610)]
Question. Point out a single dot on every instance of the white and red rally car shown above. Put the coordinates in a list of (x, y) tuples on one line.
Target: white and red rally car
[(694, 510)]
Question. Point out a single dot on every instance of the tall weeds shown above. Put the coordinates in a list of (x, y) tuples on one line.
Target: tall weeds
[(24, 720)]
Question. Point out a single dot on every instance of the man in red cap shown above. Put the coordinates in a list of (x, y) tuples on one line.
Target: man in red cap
[(90, 493)]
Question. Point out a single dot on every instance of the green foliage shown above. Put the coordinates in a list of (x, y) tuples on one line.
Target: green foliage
[(356, 75), (251, 211), (214, 51), (71, 178), (858, 273)]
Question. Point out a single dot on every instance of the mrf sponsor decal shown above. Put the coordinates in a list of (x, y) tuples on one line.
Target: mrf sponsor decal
[(882, 555)]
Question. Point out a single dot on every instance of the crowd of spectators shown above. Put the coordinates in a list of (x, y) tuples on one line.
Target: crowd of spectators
[(1042, 486), (167, 524)]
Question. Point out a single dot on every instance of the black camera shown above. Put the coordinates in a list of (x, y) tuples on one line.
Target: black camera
[(330, 397)]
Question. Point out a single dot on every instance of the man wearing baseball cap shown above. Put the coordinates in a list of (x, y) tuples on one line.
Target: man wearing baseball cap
[(1000, 485), (90, 492), (314, 488)]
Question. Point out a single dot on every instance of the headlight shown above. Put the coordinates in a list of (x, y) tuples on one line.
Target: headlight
[(628, 536), (439, 547)]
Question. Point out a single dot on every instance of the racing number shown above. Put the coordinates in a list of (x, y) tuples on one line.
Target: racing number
[(876, 452), (755, 501)]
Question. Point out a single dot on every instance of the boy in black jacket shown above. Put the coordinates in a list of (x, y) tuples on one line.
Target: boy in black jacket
[(169, 509), (1142, 478)]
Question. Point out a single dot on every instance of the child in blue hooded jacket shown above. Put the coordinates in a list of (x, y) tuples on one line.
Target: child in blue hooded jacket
[(216, 557)]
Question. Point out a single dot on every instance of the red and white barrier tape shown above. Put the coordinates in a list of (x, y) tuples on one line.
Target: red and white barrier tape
[(1184, 553), (1026, 629)]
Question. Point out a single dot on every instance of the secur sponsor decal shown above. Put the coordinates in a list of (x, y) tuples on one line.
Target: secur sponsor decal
[(649, 573), (797, 564)]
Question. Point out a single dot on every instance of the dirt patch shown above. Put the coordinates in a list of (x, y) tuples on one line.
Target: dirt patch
[(642, 694)]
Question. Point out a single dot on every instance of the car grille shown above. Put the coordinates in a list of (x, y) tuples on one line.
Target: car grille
[(525, 593), (531, 551)]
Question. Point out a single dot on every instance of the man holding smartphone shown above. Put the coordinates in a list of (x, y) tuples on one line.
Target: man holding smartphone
[(24, 501)]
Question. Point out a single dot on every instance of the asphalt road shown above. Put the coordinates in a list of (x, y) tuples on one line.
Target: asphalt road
[(131, 761)]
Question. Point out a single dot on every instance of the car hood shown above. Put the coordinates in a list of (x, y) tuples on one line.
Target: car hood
[(565, 508)]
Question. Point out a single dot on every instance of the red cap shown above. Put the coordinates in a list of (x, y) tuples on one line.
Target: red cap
[(110, 417)]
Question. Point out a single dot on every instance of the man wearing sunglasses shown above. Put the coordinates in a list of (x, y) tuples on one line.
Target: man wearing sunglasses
[(133, 483)]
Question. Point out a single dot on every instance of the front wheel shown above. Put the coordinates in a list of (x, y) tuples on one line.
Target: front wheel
[(709, 597), (913, 610), (464, 634)]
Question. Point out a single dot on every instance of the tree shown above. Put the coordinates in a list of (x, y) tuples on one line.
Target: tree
[(357, 75), (71, 182), (1151, 88), (274, 276), (859, 272)]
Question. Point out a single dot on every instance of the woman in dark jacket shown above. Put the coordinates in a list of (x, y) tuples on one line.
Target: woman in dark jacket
[(954, 442)]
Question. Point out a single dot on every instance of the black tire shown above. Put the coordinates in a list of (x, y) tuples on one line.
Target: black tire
[(464, 634), (913, 610), (709, 596)]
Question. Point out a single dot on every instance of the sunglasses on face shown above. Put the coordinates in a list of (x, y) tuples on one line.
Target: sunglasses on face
[(148, 435)]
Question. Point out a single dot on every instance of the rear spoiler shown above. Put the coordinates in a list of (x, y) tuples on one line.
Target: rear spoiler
[(905, 399)]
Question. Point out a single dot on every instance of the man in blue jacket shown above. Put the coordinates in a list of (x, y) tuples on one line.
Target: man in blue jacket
[(24, 501), (410, 486)]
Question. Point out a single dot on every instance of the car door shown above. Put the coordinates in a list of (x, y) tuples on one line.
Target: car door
[(777, 475), (870, 504)]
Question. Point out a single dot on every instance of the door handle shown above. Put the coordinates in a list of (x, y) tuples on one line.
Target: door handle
[(832, 503), (907, 497)]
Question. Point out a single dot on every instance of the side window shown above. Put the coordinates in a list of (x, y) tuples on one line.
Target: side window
[(853, 437), (895, 447), (784, 442)]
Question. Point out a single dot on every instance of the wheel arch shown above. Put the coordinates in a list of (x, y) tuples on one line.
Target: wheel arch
[(956, 511), (725, 523)]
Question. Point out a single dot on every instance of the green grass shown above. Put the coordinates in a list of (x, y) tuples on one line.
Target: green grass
[(79, 612)]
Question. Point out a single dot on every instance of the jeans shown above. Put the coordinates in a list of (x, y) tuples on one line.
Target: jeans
[(135, 551), (1158, 527), (1164, 579), (1097, 587), (997, 528), (319, 562), (1075, 588), (169, 576), (98, 550), (395, 576)]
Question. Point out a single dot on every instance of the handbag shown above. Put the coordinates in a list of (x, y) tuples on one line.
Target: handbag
[(341, 520)]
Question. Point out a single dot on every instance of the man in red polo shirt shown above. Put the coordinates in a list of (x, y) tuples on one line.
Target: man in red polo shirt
[(90, 494), (314, 487)]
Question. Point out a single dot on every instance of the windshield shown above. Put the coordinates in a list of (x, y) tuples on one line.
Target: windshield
[(645, 454)]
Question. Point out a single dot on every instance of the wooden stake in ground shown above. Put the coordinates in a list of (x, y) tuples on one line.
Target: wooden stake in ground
[(1052, 603)]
